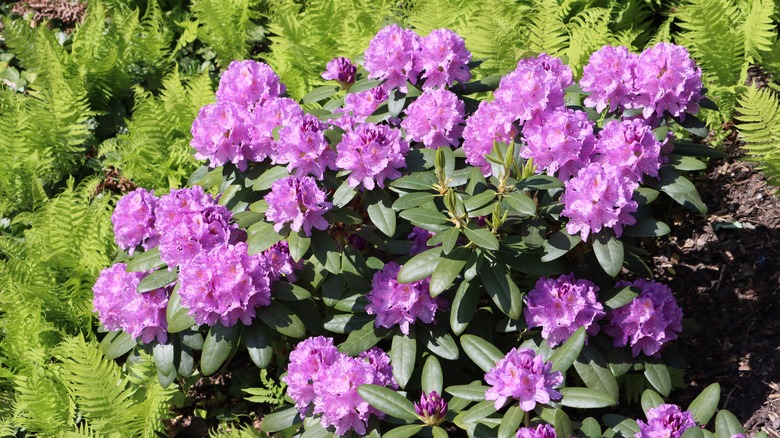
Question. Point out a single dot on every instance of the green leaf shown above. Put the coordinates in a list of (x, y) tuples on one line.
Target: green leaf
[(219, 343), (246, 219), (420, 266), (619, 297), (645, 195), (403, 353), (521, 203), (441, 343), (650, 399), (347, 322), (473, 392), (678, 188), (319, 94), (157, 280), (258, 339), (298, 244), (479, 411), (693, 432), (395, 103), (609, 253), (424, 216), (626, 427), (480, 200), (511, 422), (447, 270), (704, 406), (562, 424), (447, 238), (363, 85), (481, 237), (647, 227), (280, 318), (280, 419), (163, 358), (388, 401), (145, 261), (539, 182), (380, 212), (282, 290), (261, 236), (464, 306), (585, 398), (432, 376), (481, 352), (558, 245), (411, 200), (501, 288), (116, 344), (405, 431), (177, 316), (264, 181), (439, 432), (694, 126), (658, 376), (696, 150), (343, 195), (565, 355), (727, 425), (680, 162), (361, 340), (593, 370), (327, 252), (590, 428)]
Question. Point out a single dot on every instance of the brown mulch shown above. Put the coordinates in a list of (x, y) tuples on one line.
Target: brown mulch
[(725, 269)]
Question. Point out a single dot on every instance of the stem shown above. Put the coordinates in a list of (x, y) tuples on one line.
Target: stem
[(527, 420)]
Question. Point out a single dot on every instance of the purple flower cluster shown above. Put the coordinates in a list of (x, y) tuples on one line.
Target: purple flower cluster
[(485, 127), (631, 145), (667, 421), (120, 307), (272, 115), (648, 322), (299, 202), (562, 305), (540, 431), (358, 106), (525, 376), (397, 55), (133, 220), (373, 153), (341, 70), (302, 146), (560, 141), (598, 197), (662, 79), (435, 119), (249, 83), (323, 381), (400, 303), (419, 238)]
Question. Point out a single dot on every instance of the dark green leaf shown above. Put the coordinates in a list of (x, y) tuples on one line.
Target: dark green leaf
[(363, 339), (658, 376), (439, 432), (403, 353), (521, 203), (163, 358), (447, 270), (116, 344), (363, 85), (696, 150), (693, 432), (298, 244), (481, 237), (381, 213), (347, 322), (246, 219), (343, 195), (432, 376), (694, 126), (388, 401), (704, 406), (280, 419), (463, 306), (501, 288), (261, 236), (481, 352), (424, 216), (539, 182), (593, 370), (626, 427), (405, 431), (145, 261), (264, 181), (177, 316), (327, 252), (489, 83), (281, 290), (590, 428), (619, 297), (645, 195), (420, 266), (395, 103), (533, 232), (480, 200), (441, 344), (280, 318), (479, 411), (219, 343), (447, 238), (647, 227), (650, 399), (609, 253), (678, 188), (511, 422), (415, 181), (411, 200), (333, 289), (585, 398), (257, 339), (564, 356), (727, 425), (473, 392), (186, 361), (681, 162), (157, 280), (319, 94), (562, 424), (558, 245)]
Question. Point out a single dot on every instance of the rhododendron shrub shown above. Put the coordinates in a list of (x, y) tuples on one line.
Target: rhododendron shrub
[(406, 233)]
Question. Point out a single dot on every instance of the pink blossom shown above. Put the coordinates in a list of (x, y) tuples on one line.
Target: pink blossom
[(435, 119), (299, 202), (373, 153), (443, 59), (248, 83), (540, 431), (303, 147), (665, 421), (560, 141), (133, 220), (609, 78), (486, 126), (525, 376), (667, 80), (392, 56), (631, 145)]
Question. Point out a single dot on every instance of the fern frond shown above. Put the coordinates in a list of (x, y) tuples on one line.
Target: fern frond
[(224, 25), (588, 32), (547, 28), (760, 28), (245, 431), (759, 127), (153, 402), (425, 15)]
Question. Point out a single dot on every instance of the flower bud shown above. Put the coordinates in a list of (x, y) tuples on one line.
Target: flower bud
[(432, 408)]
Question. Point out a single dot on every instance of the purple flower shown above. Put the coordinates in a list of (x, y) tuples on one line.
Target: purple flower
[(609, 78), (224, 285), (537, 84), (308, 362), (486, 126), (631, 145), (598, 197), (133, 220), (302, 146), (392, 56), (189, 222), (341, 70), (540, 431), (559, 141), (299, 202), (667, 80), (525, 376), (435, 119), (279, 262), (648, 322), (432, 408), (121, 307), (373, 153), (665, 421), (248, 83), (443, 59), (272, 114), (562, 305), (400, 303), (419, 238), (358, 106), (221, 134)]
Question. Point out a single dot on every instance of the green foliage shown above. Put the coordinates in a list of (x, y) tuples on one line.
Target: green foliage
[(759, 128), (224, 25), (272, 393)]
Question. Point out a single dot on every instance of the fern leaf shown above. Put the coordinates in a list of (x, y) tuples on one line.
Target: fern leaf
[(759, 127), (760, 28), (588, 31), (547, 28)]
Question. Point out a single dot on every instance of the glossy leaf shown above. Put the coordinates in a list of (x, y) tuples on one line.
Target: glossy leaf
[(424, 216), (217, 347), (727, 425), (593, 370), (420, 266), (405, 431), (678, 188), (590, 428), (163, 358), (650, 399), (281, 290), (363, 339), (298, 244), (116, 344), (481, 352), (479, 411), (145, 261), (512, 420), (177, 316), (388, 401), (411, 200), (347, 322), (403, 353), (658, 376), (280, 419), (273, 174), (481, 237), (474, 392), (565, 355), (704, 406), (521, 203), (441, 343), (585, 398), (319, 94), (609, 253), (432, 376), (280, 318), (257, 339), (464, 306), (343, 195), (447, 270), (558, 245), (562, 424), (501, 288)]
